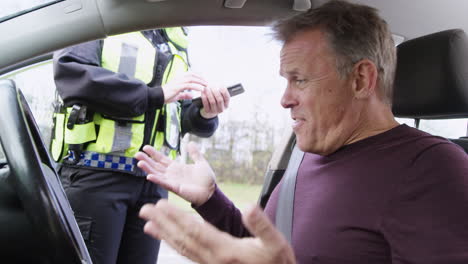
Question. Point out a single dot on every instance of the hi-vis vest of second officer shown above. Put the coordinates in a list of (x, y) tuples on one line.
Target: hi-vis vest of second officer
[(107, 142)]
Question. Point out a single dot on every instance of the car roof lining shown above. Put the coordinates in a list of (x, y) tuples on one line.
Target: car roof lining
[(440, 15), (76, 21), (119, 16)]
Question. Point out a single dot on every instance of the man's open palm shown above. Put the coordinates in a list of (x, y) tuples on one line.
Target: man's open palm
[(193, 182)]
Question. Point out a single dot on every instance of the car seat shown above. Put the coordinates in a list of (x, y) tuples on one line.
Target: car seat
[(431, 79)]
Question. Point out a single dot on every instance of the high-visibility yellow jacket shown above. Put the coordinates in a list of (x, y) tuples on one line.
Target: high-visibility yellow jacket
[(114, 101)]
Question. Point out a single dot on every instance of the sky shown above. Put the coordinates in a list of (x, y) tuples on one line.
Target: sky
[(247, 55)]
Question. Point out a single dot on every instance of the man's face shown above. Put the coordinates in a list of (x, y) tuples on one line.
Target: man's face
[(321, 102)]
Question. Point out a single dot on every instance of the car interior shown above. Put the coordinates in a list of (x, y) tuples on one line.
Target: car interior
[(431, 83)]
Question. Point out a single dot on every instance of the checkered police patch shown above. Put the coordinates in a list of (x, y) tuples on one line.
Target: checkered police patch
[(105, 161)]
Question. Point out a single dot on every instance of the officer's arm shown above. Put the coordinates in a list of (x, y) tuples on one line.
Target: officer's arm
[(80, 80), (194, 123)]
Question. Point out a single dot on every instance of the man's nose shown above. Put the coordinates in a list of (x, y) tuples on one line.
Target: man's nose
[(288, 100)]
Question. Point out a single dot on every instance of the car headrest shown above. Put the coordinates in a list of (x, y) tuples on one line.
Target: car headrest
[(431, 79)]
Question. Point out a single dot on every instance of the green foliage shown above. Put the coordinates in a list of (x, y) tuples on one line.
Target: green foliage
[(239, 152)]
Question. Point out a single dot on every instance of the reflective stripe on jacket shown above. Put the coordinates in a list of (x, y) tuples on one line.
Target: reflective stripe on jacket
[(134, 55)]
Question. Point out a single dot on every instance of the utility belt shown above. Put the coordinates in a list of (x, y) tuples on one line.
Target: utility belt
[(101, 161), (95, 140)]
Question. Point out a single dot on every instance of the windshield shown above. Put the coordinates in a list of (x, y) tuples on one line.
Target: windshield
[(13, 8)]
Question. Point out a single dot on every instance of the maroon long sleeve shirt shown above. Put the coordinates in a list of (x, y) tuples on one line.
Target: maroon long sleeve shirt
[(397, 197)]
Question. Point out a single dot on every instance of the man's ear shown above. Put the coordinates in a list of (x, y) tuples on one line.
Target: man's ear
[(364, 79)]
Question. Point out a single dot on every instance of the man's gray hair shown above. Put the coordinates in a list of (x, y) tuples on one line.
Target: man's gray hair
[(355, 32)]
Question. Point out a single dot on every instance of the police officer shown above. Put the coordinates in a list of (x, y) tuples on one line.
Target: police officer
[(120, 94)]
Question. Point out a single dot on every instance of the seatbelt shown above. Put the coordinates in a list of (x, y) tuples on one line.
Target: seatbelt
[(285, 208)]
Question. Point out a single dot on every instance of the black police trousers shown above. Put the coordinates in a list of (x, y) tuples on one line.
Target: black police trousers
[(106, 206)]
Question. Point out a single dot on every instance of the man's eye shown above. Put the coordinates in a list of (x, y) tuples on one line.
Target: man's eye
[(299, 81)]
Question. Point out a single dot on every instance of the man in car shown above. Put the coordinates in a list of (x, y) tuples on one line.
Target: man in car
[(368, 190)]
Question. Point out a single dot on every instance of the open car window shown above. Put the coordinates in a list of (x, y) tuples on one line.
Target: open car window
[(249, 129)]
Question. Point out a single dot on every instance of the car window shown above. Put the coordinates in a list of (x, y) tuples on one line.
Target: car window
[(449, 128), (252, 125), (13, 8)]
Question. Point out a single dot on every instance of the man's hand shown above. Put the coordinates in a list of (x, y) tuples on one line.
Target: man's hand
[(179, 88), (193, 182), (215, 100), (203, 243)]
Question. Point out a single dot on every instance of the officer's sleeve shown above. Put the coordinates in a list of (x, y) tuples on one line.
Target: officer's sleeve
[(80, 80), (193, 123)]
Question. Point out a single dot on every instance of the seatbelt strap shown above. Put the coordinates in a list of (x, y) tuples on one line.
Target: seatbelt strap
[(285, 208)]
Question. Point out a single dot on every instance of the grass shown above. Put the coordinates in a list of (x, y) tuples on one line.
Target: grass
[(240, 194)]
